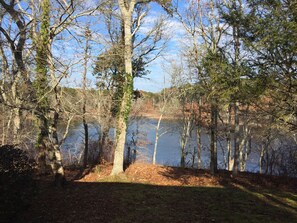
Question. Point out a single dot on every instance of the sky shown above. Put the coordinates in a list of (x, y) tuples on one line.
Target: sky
[(158, 69)]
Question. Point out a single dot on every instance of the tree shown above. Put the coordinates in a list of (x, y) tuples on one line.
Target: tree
[(15, 85), (269, 31), (85, 124), (109, 66), (205, 59), (41, 84), (47, 81), (121, 62), (164, 100), (126, 9)]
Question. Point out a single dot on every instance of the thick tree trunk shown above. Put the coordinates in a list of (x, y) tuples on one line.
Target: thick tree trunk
[(184, 140), (16, 111), (118, 163), (55, 156), (104, 154), (124, 108), (40, 85), (16, 126), (42, 144)]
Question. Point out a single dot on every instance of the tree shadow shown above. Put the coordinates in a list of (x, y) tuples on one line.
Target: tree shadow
[(126, 202), (82, 172), (190, 176), (251, 181), (279, 201)]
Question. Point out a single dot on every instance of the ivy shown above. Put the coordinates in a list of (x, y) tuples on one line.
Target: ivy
[(40, 83), (124, 95)]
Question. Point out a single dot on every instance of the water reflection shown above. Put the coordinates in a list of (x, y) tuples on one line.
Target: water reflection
[(141, 136)]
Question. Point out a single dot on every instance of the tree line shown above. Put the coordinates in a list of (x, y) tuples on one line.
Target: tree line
[(236, 75)]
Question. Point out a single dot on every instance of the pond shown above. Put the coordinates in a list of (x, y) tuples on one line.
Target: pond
[(141, 137)]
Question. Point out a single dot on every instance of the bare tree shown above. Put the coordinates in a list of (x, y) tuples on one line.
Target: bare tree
[(15, 84), (163, 108), (85, 124)]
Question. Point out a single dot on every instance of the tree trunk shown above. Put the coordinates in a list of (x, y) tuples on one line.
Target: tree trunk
[(243, 147), (118, 163), (42, 144), (55, 153), (261, 158), (16, 126), (86, 130), (247, 152), (104, 153), (16, 112), (184, 140), (236, 140), (125, 103), (236, 40), (55, 156), (157, 138), (198, 134), (40, 84), (229, 146), (213, 140), (8, 127)]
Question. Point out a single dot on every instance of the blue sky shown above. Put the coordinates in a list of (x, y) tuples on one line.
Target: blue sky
[(153, 82), (160, 68)]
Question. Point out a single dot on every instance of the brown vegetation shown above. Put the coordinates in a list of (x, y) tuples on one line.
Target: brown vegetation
[(175, 176)]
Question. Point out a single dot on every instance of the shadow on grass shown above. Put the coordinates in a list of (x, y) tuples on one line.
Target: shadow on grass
[(83, 172), (185, 175), (126, 202)]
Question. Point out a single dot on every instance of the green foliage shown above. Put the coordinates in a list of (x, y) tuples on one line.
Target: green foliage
[(111, 63), (269, 31), (124, 93), (40, 83), (219, 81)]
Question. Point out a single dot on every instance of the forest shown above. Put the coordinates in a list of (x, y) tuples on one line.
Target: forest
[(216, 142)]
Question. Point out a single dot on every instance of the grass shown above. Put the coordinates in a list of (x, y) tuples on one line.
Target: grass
[(144, 203), (117, 200)]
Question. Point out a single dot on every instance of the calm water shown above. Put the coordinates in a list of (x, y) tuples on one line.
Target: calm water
[(143, 132)]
